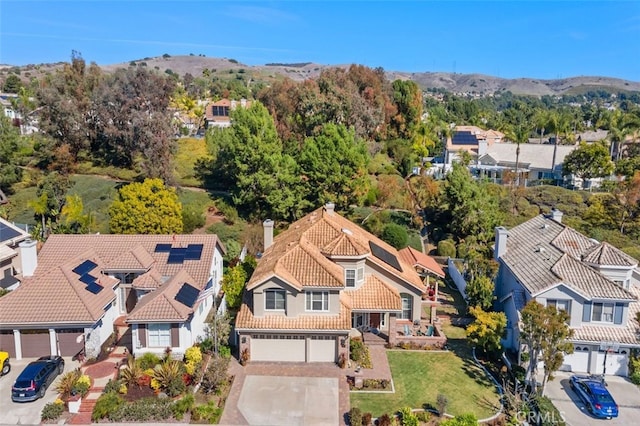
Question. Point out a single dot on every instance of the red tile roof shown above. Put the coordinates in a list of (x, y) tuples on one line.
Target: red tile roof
[(419, 259)]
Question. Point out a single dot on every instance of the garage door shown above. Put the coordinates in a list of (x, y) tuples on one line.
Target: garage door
[(35, 343), (7, 344), (578, 361), (322, 349), (617, 363), (277, 348), (70, 341)]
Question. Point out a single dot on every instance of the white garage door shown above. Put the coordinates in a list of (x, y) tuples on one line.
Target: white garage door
[(277, 348), (322, 349), (617, 363), (577, 362)]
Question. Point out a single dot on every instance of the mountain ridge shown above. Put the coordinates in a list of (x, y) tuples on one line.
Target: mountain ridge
[(473, 83)]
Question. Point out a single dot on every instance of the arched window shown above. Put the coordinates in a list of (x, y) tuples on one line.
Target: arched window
[(407, 306)]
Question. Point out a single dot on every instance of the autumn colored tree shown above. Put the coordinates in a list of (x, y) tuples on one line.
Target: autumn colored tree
[(487, 329), (146, 208)]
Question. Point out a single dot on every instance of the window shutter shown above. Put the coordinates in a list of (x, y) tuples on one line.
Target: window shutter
[(586, 312), (617, 313), (142, 335), (175, 335)]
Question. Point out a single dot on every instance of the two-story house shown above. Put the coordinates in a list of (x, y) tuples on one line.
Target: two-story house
[(218, 114), (78, 286), (597, 284), (318, 280), (11, 263)]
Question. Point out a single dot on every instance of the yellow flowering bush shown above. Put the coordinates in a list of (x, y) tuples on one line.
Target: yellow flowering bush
[(123, 389), (58, 401), (155, 384), (190, 368), (193, 355)]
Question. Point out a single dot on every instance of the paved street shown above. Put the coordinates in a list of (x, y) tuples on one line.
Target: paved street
[(24, 413), (571, 407)]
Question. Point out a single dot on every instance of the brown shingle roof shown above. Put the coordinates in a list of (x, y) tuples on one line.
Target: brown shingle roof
[(160, 305), (374, 294)]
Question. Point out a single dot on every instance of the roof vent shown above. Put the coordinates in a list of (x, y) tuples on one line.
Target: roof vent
[(540, 249), (347, 231)]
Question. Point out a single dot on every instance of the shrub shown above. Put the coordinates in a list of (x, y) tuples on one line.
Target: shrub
[(216, 375), (547, 412), (192, 218), (206, 346), (67, 382), (447, 248), (366, 419), (107, 403), (360, 353), (355, 416), (396, 235), (112, 386), (167, 375), (132, 374), (384, 420), (210, 413), (82, 386), (408, 417), (193, 354), (183, 405), (143, 410), (224, 351), (52, 411), (148, 360)]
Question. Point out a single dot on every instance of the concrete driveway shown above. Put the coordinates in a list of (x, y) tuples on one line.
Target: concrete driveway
[(272, 400), (21, 413), (574, 412)]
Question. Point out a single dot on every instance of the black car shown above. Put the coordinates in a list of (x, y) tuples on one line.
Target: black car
[(33, 381)]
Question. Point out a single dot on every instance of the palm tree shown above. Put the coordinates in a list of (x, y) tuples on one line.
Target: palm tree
[(518, 133), (40, 207), (619, 125)]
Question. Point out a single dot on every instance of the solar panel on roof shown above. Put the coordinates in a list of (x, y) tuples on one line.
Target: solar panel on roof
[(7, 233), (194, 252), (84, 267), (162, 248), (176, 255), (87, 279), (387, 257), (187, 295), (464, 138), (94, 288)]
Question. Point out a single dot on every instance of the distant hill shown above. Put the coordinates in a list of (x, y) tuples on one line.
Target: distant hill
[(453, 82)]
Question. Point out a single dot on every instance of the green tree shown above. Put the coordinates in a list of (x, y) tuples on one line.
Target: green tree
[(487, 329), (396, 235), (480, 292), (233, 283), (73, 218), (146, 208), (545, 332), (10, 171), (334, 166), (468, 419), (408, 99), (588, 161), (12, 84)]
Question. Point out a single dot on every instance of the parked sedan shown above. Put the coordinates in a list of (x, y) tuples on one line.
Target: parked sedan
[(592, 390), (33, 381)]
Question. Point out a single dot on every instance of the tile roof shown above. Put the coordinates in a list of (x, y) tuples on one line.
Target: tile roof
[(160, 305), (627, 335), (296, 254), (606, 255), (543, 253), (58, 296), (67, 299), (149, 280), (419, 259), (374, 294), (305, 322)]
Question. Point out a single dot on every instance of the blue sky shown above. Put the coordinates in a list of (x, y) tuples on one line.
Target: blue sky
[(541, 39)]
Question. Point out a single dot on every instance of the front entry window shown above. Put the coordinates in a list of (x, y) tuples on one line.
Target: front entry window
[(159, 335)]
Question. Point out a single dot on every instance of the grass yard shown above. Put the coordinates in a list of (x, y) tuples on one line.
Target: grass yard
[(419, 377), (190, 150)]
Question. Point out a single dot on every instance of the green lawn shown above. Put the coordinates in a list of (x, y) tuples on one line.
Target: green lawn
[(419, 377)]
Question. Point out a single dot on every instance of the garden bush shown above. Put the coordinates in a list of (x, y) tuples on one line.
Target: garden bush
[(148, 360), (396, 235), (183, 405), (408, 418), (143, 410), (210, 413), (384, 420), (447, 248), (112, 386), (52, 410), (547, 412), (355, 416), (216, 375), (107, 403), (360, 353)]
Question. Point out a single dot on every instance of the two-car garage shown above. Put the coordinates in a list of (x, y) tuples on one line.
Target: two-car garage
[(35, 343), (293, 348)]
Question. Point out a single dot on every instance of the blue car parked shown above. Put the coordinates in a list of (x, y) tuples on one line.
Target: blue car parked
[(33, 381), (593, 391)]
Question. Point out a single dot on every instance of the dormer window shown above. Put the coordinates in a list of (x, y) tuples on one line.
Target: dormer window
[(350, 277), (274, 299)]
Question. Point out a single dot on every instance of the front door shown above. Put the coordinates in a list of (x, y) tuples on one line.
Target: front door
[(374, 320)]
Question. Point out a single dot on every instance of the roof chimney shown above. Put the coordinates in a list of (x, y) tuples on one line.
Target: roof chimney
[(268, 233), (500, 247), (28, 257), (329, 208), (556, 215)]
